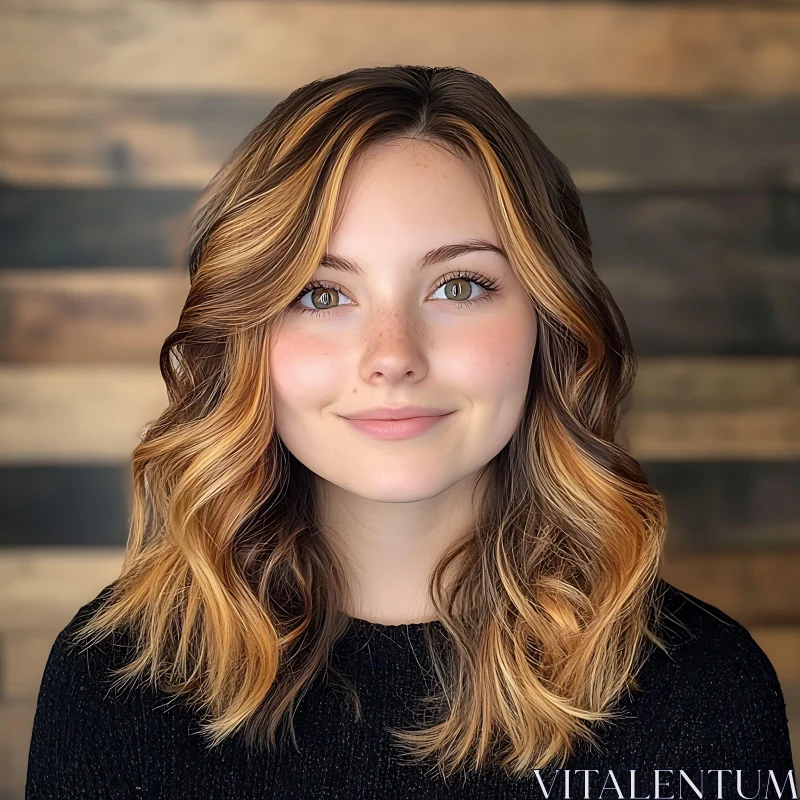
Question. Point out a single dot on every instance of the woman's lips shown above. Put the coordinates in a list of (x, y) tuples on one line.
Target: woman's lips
[(396, 428)]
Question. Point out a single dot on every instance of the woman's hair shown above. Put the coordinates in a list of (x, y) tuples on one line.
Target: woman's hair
[(233, 598)]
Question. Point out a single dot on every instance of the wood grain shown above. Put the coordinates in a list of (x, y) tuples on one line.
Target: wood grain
[(692, 272), (85, 137), (677, 120), (698, 409), (53, 315), (41, 588), (86, 414), (781, 643), (62, 228), (733, 503), (752, 585), (88, 316), (663, 50), (705, 408), (710, 504)]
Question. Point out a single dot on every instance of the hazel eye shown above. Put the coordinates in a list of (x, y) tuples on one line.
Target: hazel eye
[(323, 298), (458, 289)]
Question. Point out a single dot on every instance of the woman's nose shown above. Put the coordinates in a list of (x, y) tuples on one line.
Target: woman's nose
[(394, 345)]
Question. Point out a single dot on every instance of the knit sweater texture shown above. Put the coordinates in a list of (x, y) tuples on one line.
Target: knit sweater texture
[(712, 704)]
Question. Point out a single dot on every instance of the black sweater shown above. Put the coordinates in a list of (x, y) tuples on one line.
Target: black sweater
[(714, 704)]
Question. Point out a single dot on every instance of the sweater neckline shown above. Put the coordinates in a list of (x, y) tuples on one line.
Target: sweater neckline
[(363, 625)]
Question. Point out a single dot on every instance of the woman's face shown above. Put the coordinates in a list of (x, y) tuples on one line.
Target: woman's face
[(395, 335)]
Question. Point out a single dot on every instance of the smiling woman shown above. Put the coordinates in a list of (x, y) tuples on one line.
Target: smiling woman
[(430, 313), (389, 460)]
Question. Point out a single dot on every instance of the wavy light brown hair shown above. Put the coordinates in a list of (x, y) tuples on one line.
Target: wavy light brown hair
[(232, 599)]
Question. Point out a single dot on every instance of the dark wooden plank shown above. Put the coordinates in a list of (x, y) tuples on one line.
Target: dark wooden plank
[(693, 272), (729, 503), (654, 144), (535, 48), (47, 506), (65, 228), (697, 273), (173, 140), (732, 507)]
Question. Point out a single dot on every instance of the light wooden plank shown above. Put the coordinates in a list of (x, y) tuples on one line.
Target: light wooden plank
[(681, 410), (793, 714), (538, 47), (754, 586), (16, 726), (41, 589), (86, 316), (781, 643), (23, 655), (99, 138), (685, 409), (63, 414)]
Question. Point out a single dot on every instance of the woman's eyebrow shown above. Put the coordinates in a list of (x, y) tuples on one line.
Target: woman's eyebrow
[(444, 252)]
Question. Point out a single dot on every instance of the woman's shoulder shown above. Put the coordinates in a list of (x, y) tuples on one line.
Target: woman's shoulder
[(702, 638), (82, 727), (85, 611), (699, 637), (708, 655), (716, 684), (78, 669)]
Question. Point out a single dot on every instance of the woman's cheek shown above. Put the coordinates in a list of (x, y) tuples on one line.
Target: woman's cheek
[(304, 369), (496, 354)]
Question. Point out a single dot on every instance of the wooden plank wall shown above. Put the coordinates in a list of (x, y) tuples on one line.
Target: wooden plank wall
[(679, 122)]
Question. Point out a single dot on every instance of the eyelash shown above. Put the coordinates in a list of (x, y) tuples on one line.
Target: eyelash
[(488, 285)]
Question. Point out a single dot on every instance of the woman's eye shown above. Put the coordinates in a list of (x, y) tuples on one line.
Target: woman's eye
[(319, 299), (458, 289), (322, 298)]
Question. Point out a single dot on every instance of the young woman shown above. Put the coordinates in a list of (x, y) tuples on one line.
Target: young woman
[(383, 543)]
